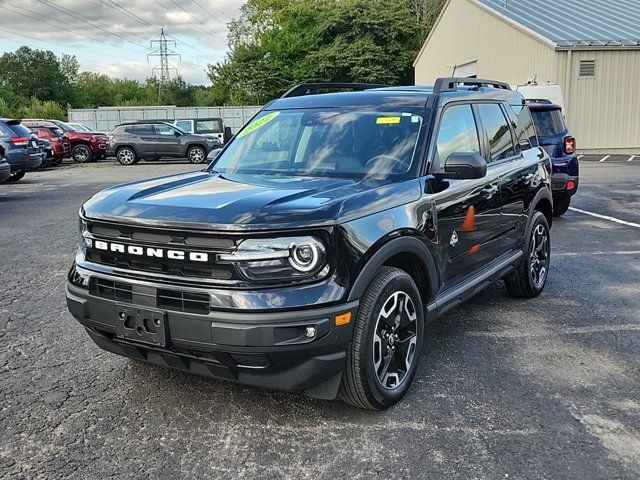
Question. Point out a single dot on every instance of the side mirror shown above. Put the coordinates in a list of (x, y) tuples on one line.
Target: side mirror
[(213, 154), (177, 133), (464, 166)]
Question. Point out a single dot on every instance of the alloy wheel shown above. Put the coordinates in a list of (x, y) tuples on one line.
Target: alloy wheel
[(126, 157), (394, 340), (196, 155), (539, 255), (81, 154)]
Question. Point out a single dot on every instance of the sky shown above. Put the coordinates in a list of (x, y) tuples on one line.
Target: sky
[(113, 36)]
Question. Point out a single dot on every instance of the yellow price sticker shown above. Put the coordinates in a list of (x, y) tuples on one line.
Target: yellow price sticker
[(387, 120), (261, 122)]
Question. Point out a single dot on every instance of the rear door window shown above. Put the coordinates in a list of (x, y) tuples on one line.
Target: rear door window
[(165, 131), (498, 131), (548, 122), (457, 133), (184, 125), (140, 130), (523, 127)]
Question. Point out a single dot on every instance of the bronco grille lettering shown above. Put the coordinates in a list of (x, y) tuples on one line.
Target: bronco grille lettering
[(151, 252)]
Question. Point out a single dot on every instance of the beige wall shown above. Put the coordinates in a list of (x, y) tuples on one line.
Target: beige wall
[(467, 32), (602, 112)]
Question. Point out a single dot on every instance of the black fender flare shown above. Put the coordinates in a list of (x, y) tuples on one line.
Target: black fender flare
[(394, 247), (543, 193)]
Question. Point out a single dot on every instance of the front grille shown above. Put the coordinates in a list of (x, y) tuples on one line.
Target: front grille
[(183, 301), (162, 240), (110, 290)]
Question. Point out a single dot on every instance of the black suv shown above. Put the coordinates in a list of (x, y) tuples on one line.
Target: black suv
[(312, 252), (131, 142)]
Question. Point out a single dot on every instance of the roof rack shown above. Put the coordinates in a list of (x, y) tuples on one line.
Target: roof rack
[(450, 84), (313, 88)]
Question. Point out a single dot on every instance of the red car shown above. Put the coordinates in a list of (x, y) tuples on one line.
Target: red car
[(85, 146), (59, 141)]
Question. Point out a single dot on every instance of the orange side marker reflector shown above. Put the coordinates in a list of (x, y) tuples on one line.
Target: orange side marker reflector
[(343, 319), (475, 248)]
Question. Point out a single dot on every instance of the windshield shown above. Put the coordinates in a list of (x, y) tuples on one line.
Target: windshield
[(330, 142), (548, 122), (65, 126)]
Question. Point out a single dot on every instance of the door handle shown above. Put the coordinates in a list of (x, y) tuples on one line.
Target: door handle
[(489, 191), (526, 178)]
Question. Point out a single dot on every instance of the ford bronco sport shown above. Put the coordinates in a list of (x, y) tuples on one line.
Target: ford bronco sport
[(310, 254)]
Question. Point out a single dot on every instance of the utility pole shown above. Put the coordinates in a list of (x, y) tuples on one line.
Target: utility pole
[(161, 48)]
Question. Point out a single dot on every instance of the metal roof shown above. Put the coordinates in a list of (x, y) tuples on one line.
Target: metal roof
[(575, 23)]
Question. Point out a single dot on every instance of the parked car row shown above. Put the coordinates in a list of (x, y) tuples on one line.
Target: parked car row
[(19, 149)]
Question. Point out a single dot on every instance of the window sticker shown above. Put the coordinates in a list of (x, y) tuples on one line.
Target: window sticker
[(387, 120), (257, 124)]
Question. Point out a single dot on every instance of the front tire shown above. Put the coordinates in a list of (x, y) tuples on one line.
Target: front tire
[(126, 156), (531, 274), (81, 154), (560, 206), (197, 155), (387, 341)]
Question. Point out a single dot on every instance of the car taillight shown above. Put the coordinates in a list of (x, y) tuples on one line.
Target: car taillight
[(569, 145), (19, 140)]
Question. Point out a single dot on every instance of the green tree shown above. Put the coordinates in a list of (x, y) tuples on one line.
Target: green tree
[(277, 43), (47, 109), (35, 73)]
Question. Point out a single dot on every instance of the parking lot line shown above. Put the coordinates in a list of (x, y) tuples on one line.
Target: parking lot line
[(631, 158), (628, 327), (605, 217), (579, 254), (604, 158)]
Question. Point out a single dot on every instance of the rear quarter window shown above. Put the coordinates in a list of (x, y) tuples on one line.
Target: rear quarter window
[(548, 122), (525, 132)]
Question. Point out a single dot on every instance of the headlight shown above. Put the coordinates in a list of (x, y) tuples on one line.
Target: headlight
[(85, 235), (287, 258), (209, 139)]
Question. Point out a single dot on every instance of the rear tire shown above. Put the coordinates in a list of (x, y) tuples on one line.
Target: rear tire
[(127, 156), (532, 272), (560, 206), (81, 154), (197, 155), (14, 177), (383, 356)]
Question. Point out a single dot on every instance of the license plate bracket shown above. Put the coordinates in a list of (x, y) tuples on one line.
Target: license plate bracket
[(144, 325)]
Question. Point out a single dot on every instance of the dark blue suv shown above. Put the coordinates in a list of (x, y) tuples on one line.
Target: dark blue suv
[(21, 148), (555, 138)]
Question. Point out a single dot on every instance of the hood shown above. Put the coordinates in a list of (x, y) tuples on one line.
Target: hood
[(206, 199)]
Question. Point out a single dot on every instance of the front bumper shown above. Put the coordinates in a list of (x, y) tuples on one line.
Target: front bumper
[(265, 349)]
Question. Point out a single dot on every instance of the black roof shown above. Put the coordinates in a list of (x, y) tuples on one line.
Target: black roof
[(148, 122), (398, 97)]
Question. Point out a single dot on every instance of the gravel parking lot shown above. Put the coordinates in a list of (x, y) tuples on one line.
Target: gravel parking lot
[(503, 390)]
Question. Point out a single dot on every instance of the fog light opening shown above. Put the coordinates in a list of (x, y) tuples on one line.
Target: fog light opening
[(310, 332)]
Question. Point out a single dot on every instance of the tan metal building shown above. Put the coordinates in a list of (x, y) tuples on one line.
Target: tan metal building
[(591, 49)]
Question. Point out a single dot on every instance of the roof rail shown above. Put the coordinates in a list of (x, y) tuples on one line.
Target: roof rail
[(450, 84), (313, 88)]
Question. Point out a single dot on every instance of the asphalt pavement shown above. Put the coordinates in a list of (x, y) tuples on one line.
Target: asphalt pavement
[(545, 388)]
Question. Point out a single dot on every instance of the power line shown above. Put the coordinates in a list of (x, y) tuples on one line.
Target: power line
[(197, 25), (205, 9), (19, 42), (90, 22), (60, 24)]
